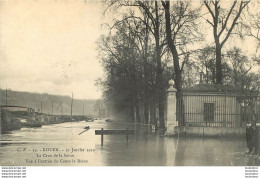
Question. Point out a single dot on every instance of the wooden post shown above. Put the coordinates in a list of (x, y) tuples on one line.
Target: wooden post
[(71, 106), (6, 98), (83, 109), (41, 105), (102, 137)]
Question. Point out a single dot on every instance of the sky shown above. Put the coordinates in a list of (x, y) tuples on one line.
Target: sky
[(50, 47)]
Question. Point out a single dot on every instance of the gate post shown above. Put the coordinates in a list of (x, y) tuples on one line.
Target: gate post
[(257, 138), (171, 121)]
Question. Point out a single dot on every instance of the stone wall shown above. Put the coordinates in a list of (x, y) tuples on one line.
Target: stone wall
[(213, 131)]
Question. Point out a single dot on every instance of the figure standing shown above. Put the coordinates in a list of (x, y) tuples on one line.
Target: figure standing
[(257, 138), (250, 137)]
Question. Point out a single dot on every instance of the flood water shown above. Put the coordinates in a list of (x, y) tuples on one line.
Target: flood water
[(61, 145)]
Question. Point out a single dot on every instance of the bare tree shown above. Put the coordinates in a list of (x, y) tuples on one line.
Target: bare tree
[(252, 25), (240, 66), (179, 22), (153, 23), (223, 22)]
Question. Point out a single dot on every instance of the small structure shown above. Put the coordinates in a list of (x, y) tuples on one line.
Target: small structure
[(210, 109), (212, 105)]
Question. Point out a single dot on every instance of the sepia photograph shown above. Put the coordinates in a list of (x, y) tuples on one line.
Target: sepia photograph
[(129, 83)]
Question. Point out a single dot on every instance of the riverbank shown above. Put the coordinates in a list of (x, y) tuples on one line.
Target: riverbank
[(16, 120)]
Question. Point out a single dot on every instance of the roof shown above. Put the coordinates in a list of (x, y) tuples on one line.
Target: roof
[(214, 88)]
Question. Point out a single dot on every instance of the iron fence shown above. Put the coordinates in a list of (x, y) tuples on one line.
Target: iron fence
[(217, 110)]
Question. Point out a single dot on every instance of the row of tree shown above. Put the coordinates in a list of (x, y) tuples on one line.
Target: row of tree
[(154, 41)]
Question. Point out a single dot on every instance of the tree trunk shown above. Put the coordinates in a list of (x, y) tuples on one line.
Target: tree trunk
[(146, 114), (171, 45), (153, 111), (159, 70), (176, 64), (131, 113), (137, 111), (146, 93), (218, 64)]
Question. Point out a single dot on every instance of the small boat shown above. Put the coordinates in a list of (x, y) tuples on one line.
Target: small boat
[(87, 127), (109, 120), (88, 118)]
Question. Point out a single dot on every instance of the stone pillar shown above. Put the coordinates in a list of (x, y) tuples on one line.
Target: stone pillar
[(172, 122), (258, 138)]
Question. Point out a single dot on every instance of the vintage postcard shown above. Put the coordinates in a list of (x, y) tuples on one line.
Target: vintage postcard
[(129, 83)]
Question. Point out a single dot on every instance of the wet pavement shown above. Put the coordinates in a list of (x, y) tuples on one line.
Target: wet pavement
[(61, 145)]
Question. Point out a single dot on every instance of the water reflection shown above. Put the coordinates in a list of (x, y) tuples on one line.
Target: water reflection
[(145, 148)]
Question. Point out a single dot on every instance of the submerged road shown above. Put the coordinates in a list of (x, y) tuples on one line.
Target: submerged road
[(63, 145)]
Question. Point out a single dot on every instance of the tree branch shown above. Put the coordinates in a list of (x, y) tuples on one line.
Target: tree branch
[(234, 21), (226, 21), (210, 11)]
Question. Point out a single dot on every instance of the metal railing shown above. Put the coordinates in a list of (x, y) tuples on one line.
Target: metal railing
[(217, 110)]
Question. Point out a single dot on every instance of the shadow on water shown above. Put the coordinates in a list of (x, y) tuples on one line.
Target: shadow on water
[(228, 151)]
